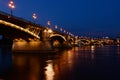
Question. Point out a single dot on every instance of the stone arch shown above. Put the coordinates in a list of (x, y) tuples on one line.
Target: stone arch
[(57, 40), (58, 35)]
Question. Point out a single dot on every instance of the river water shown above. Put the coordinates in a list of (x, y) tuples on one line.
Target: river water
[(79, 63)]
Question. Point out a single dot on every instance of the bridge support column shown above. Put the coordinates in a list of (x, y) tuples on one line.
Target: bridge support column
[(46, 43)]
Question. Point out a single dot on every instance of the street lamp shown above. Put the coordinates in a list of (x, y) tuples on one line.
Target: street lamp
[(48, 23), (56, 26), (11, 5), (48, 29), (64, 31), (61, 29), (34, 17)]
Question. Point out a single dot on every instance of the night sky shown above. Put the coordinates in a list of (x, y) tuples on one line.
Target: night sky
[(94, 18)]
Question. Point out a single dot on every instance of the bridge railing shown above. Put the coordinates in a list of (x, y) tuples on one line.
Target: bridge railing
[(20, 19)]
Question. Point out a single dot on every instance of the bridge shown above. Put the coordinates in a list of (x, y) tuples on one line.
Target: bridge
[(17, 29)]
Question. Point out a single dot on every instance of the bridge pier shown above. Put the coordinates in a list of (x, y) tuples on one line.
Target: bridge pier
[(43, 46), (32, 47), (18, 28), (46, 42)]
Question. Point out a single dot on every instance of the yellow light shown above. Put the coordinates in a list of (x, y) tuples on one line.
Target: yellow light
[(18, 27), (92, 47), (45, 30), (50, 30), (49, 70)]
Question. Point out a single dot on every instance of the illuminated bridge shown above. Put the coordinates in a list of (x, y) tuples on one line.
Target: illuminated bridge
[(17, 28)]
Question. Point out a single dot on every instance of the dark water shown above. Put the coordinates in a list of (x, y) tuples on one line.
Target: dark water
[(79, 63)]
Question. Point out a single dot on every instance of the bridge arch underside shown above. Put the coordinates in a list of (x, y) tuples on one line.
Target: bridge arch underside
[(13, 33), (57, 41)]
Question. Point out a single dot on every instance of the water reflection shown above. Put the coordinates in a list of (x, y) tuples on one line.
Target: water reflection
[(0, 59), (50, 67), (92, 51), (118, 49), (28, 67), (49, 70), (74, 64), (5, 60), (87, 52)]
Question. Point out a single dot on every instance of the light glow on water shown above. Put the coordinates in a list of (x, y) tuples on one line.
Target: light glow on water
[(49, 70), (73, 64)]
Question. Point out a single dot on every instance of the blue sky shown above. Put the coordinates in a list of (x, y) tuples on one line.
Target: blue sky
[(81, 17)]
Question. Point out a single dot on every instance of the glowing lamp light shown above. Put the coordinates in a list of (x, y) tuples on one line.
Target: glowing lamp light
[(48, 23), (34, 16), (11, 4), (45, 30), (64, 31), (50, 31), (61, 29), (56, 27)]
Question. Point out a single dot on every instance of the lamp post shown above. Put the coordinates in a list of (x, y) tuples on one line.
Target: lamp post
[(56, 26), (12, 6), (61, 29), (48, 23), (34, 17), (48, 29)]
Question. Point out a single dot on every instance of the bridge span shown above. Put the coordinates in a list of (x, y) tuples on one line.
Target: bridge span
[(17, 28)]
